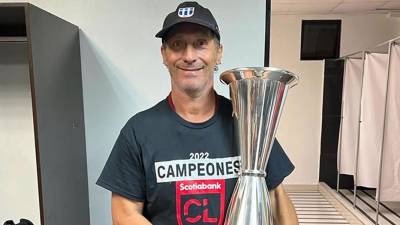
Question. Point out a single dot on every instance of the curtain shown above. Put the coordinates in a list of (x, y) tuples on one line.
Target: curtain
[(372, 118), (390, 183), (351, 109)]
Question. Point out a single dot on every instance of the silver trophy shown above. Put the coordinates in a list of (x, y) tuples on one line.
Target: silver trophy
[(258, 95)]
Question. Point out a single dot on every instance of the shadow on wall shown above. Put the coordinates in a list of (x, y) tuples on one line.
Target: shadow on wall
[(109, 102)]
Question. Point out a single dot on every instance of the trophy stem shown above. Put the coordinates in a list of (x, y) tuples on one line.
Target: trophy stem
[(251, 202)]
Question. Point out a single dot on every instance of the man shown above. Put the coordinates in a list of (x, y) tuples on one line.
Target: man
[(177, 163)]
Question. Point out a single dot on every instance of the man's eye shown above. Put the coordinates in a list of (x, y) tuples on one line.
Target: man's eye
[(200, 43), (177, 44)]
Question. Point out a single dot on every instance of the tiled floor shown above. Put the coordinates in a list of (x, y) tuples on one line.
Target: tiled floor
[(317, 205)]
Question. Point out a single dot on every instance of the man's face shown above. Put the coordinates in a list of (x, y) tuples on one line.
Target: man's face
[(190, 54)]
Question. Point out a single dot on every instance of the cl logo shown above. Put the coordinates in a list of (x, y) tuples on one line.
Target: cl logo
[(198, 203)]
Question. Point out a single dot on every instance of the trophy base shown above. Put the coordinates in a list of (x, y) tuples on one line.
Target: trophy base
[(250, 203)]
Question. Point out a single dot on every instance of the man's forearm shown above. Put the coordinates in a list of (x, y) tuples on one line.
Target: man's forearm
[(136, 219), (127, 212), (283, 210)]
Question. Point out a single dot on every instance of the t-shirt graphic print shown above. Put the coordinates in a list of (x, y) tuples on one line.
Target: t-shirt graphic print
[(200, 186)]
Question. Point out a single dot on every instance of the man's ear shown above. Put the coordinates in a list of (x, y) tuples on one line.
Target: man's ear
[(162, 49), (219, 53)]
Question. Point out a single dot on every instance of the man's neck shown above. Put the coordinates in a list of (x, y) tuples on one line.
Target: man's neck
[(195, 109)]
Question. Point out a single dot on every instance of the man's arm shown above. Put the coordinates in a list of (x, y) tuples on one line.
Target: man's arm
[(126, 211), (282, 208)]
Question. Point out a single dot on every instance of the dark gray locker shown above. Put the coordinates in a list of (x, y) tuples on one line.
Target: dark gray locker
[(53, 54)]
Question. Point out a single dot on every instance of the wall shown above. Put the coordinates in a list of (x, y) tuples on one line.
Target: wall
[(19, 192), (122, 67), (300, 126)]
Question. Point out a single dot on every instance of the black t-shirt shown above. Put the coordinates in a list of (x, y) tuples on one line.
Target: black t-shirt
[(184, 172)]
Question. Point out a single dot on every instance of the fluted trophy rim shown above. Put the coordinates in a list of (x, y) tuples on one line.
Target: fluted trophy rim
[(271, 73)]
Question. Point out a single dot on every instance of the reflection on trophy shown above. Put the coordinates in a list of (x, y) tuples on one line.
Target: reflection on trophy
[(258, 95)]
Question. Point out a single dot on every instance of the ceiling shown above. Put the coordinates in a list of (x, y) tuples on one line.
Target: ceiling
[(285, 7)]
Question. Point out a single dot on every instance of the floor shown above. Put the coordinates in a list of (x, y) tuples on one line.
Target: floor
[(321, 205), (316, 205), (366, 204)]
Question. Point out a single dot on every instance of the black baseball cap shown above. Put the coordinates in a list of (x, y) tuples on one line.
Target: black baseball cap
[(190, 12)]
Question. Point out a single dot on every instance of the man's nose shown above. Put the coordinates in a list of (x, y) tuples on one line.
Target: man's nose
[(189, 54)]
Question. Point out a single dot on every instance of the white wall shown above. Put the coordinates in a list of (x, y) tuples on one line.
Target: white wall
[(19, 196), (122, 66), (300, 126)]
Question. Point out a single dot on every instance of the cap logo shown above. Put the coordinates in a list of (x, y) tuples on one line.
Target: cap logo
[(186, 12)]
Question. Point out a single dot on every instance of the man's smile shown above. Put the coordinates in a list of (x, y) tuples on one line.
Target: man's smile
[(190, 69)]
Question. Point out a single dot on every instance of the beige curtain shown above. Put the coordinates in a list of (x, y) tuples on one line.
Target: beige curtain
[(351, 109), (390, 183), (372, 118)]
